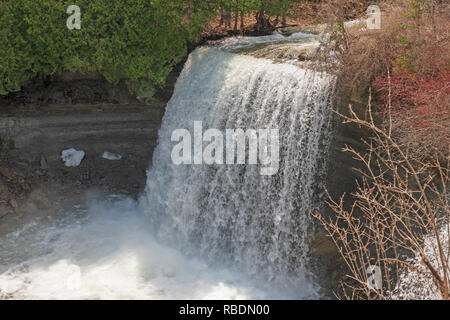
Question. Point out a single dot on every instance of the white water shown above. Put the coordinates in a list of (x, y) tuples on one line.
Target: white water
[(231, 214), (107, 252), (235, 44), (200, 232)]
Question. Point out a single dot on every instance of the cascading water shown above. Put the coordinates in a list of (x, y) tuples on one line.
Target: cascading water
[(200, 231), (231, 213)]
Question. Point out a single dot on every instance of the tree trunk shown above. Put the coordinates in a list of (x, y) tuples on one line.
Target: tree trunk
[(228, 19), (221, 18), (261, 22)]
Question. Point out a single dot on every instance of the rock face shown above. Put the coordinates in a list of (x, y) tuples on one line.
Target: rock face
[(35, 140), (70, 88), (328, 264), (342, 173), (13, 187)]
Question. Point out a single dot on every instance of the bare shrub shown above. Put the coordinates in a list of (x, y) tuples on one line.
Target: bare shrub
[(399, 203), (358, 56)]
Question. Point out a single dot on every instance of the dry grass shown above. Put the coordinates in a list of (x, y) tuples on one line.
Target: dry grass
[(406, 62), (359, 56)]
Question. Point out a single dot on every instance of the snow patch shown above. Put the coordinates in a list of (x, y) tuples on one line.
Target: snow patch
[(111, 156), (418, 285), (72, 157)]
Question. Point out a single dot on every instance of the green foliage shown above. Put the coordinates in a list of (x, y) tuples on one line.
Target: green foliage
[(415, 9), (407, 60), (27, 47), (135, 40)]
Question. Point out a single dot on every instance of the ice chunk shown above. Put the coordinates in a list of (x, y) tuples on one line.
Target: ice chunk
[(111, 156), (72, 157)]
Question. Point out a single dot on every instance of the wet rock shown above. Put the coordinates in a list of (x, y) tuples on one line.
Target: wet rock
[(111, 156), (44, 164), (27, 208), (13, 204), (3, 189), (71, 89), (4, 210), (329, 266), (40, 199), (15, 181), (311, 28)]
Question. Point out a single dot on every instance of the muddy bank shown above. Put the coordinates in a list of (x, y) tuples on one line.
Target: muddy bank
[(33, 175), (84, 112)]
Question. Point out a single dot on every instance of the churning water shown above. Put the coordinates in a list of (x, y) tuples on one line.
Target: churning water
[(199, 231), (107, 252)]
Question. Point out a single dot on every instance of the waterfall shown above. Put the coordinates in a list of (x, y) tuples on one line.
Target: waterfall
[(199, 231), (231, 214)]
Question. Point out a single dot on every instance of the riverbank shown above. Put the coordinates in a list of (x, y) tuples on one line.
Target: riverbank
[(33, 175)]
